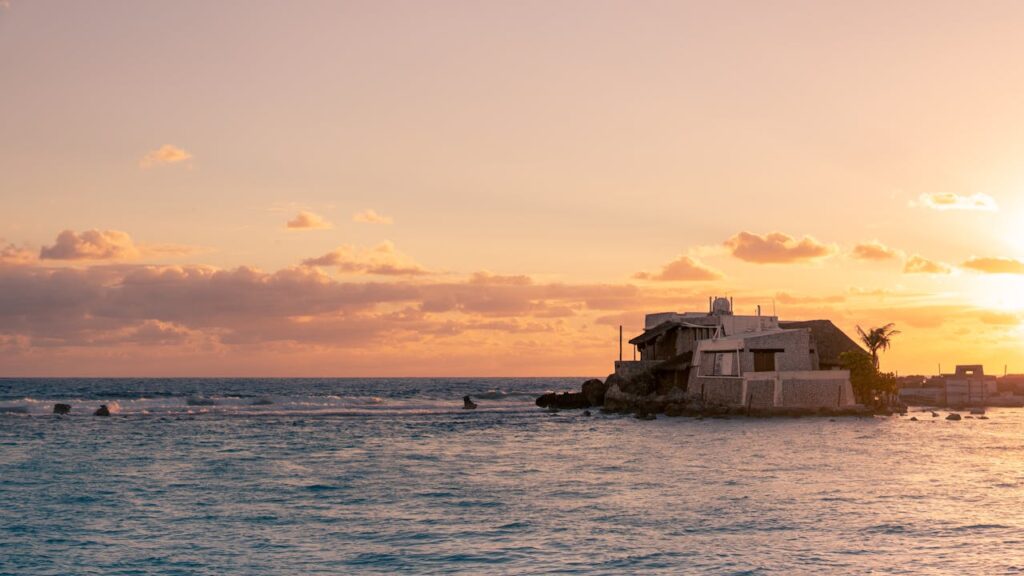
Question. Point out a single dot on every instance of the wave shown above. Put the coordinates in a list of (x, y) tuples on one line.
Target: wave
[(272, 406)]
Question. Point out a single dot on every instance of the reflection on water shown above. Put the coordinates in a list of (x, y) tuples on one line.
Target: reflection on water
[(408, 482)]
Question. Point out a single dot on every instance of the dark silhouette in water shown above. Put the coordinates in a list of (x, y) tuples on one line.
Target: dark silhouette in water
[(102, 411), (62, 408), (467, 403)]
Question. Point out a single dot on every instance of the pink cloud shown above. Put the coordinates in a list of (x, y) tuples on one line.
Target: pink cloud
[(308, 221), (920, 265), (776, 248), (166, 154), (683, 269), (91, 245)]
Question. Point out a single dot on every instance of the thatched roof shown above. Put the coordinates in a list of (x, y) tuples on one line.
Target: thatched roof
[(830, 340)]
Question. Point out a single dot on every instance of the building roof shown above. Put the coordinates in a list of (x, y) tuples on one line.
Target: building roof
[(830, 340), (653, 333)]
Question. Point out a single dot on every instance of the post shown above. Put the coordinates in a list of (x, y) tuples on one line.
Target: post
[(620, 342)]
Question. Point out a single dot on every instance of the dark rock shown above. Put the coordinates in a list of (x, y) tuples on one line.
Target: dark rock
[(982, 417), (564, 401), (953, 416), (935, 414), (468, 404), (914, 418), (102, 411), (62, 408), (642, 384), (594, 391), (587, 413), (675, 409)]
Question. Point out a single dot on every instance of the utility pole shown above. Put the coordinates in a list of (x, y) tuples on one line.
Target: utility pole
[(620, 342)]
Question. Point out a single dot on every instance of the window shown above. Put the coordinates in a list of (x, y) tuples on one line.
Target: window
[(719, 364), (764, 361)]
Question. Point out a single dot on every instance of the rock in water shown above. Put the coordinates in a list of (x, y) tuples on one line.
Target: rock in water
[(467, 403), (935, 414), (586, 413), (914, 418), (594, 391), (62, 408), (953, 416), (564, 401), (102, 411)]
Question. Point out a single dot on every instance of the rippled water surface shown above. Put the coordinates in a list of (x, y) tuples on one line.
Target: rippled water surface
[(391, 476)]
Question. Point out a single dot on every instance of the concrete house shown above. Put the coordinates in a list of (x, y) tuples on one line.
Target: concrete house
[(753, 361)]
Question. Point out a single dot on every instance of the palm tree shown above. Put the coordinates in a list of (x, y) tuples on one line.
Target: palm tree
[(878, 339)]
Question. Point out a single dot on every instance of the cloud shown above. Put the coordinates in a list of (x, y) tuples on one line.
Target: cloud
[(683, 269), (951, 201), (383, 259), (91, 245), (166, 154), (486, 278), (776, 248), (11, 255), (873, 250), (369, 216), (995, 265), (920, 265), (308, 221)]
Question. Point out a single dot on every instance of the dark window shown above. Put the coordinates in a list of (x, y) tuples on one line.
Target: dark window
[(764, 361)]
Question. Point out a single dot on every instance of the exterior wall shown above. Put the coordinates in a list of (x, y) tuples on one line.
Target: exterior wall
[(791, 389), (796, 343), (631, 368), (718, 390), (807, 391), (761, 393)]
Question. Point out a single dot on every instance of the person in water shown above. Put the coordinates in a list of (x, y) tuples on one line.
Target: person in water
[(467, 403)]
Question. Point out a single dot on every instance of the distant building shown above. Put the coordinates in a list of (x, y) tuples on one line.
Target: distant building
[(753, 361), (968, 386)]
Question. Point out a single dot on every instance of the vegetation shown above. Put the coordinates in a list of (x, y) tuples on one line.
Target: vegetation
[(877, 339), (870, 386)]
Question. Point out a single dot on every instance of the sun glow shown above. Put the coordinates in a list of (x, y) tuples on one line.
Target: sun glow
[(999, 293)]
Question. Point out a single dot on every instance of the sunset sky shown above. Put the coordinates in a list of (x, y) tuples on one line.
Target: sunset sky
[(491, 188)]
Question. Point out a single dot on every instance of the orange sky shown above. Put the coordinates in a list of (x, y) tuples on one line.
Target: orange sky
[(488, 188)]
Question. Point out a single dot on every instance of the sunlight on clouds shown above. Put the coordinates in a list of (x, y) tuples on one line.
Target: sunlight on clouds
[(308, 221), (369, 216), (951, 201), (166, 154)]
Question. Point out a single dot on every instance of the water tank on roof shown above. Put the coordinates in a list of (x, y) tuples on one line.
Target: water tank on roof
[(721, 307)]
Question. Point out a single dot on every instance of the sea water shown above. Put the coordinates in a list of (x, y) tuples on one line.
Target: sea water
[(386, 476)]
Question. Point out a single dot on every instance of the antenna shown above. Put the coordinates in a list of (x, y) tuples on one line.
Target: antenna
[(620, 342)]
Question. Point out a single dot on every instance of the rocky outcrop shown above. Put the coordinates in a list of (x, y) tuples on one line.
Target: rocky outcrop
[(62, 408), (594, 391), (102, 411), (953, 416), (563, 401)]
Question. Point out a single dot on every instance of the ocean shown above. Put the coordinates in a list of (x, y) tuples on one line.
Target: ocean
[(392, 476)]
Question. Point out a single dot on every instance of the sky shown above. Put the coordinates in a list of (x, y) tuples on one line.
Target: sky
[(476, 188)]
